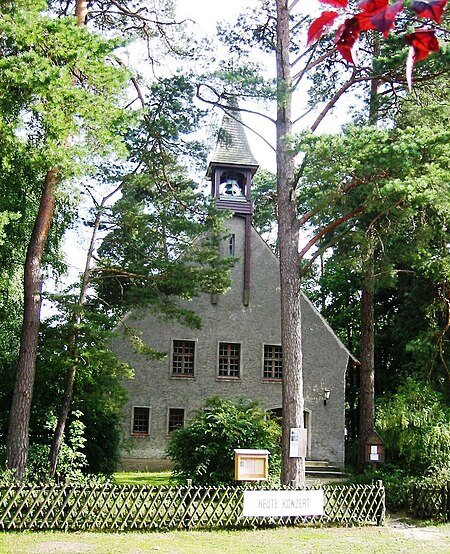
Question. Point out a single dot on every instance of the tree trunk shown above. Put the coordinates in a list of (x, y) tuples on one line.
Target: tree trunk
[(367, 369), (64, 409), (81, 11), (293, 468), (19, 417)]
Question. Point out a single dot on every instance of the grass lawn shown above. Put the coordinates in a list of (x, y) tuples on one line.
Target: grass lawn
[(140, 478), (403, 538)]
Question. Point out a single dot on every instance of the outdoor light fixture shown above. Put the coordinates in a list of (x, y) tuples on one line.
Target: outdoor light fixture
[(326, 396)]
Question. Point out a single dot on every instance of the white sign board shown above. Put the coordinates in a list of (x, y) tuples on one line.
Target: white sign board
[(297, 443), (283, 503), (374, 456)]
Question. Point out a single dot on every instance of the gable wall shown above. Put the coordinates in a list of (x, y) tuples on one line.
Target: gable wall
[(229, 320)]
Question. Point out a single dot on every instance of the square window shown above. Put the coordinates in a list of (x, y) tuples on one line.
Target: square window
[(183, 357), (141, 421), (176, 419), (273, 362), (229, 359)]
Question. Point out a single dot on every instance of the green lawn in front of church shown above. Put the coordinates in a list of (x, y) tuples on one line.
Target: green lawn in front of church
[(142, 478)]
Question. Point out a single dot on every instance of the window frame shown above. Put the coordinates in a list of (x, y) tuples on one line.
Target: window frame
[(184, 374), (135, 433), (273, 359), (228, 376), (169, 409), (231, 246)]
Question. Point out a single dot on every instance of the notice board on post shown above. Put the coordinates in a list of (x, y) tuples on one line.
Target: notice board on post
[(251, 464)]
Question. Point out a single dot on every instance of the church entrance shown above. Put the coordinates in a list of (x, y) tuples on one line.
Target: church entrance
[(277, 415)]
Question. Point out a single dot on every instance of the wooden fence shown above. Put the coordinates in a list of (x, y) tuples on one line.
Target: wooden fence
[(431, 502), (125, 508)]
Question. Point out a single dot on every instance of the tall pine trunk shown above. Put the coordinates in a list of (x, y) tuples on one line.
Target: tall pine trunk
[(19, 415), (293, 468), (367, 369)]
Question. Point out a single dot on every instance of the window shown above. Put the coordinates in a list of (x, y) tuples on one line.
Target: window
[(176, 419), (273, 362), (231, 245), (183, 354), (229, 359), (141, 421)]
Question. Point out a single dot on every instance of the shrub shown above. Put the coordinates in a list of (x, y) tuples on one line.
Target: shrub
[(72, 461), (415, 425), (203, 450), (398, 485)]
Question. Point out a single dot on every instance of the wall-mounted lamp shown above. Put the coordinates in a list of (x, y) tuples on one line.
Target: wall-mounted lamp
[(326, 396)]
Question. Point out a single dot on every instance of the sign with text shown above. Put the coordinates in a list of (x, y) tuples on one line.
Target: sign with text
[(283, 503), (298, 439)]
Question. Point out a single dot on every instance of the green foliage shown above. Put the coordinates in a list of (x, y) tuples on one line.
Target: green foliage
[(162, 240), (98, 395), (398, 485), (57, 82), (203, 450), (415, 425), (72, 463)]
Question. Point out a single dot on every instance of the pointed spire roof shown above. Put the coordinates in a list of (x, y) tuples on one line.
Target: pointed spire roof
[(232, 147)]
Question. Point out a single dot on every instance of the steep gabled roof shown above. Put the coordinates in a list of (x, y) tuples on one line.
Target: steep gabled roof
[(232, 146)]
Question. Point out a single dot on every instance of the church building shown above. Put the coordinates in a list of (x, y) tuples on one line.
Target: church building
[(237, 353)]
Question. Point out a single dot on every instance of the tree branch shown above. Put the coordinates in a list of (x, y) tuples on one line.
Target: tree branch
[(320, 251), (229, 109), (333, 100), (329, 228)]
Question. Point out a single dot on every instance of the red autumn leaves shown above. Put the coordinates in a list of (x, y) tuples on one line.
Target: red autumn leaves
[(380, 16)]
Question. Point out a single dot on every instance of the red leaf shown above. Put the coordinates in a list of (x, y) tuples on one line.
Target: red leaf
[(336, 3), (373, 6), (320, 25), (347, 39), (430, 10), (364, 21), (423, 42), (383, 20)]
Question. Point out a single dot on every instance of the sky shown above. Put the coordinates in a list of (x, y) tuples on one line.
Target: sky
[(207, 12)]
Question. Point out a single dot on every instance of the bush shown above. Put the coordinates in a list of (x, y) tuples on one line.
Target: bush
[(72, 463), (203, 450), (397, 484), (415, 425)]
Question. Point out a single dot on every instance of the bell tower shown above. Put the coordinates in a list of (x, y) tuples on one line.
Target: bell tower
[(231, 170)]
